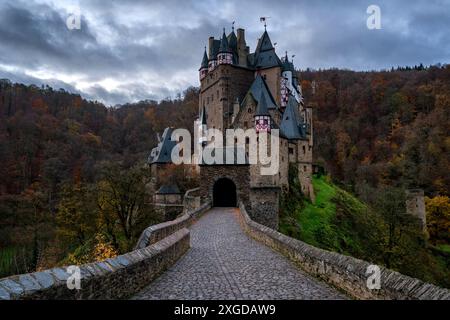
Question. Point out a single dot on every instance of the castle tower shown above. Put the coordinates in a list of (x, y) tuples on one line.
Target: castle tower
[(415, 206), (262, 116)]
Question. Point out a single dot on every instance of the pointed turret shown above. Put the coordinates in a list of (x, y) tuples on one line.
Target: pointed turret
[(204, 66), (265, 56), (261, 108), (224, 56), (292, 126), (262, 115), (223, 43), (204, 61), (203, 116)]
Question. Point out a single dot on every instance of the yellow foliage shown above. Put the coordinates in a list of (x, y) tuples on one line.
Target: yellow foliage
[(103, 249)]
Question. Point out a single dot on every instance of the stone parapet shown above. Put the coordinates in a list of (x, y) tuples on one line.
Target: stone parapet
[(346, 273), (115, 278), (159, 231)]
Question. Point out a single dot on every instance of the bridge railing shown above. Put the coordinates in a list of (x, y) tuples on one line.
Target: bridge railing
[(158, 248), (344, 272), (159, 231)]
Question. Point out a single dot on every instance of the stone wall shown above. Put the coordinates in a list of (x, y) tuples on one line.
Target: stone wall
[(344, 272), (265, 205), (158, 232), (157, 249), (239, 174), (191, 200), (115, 278)]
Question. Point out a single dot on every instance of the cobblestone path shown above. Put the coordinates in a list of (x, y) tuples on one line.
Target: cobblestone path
[(223, 263)]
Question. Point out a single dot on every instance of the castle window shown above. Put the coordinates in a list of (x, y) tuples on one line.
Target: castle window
[(249, 110), (304, 150), (291, 150), (304, 168), (247, 140), (245, 124)]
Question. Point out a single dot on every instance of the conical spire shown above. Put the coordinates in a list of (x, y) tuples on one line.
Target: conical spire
[(223, 42), (261, 109), (291, 122), (232, 41), (204, 60), (203, 116)]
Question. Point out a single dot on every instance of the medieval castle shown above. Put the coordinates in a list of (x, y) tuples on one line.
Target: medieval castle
[(243, 89)]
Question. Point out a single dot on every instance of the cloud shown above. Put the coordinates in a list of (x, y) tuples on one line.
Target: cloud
[(133, 50)]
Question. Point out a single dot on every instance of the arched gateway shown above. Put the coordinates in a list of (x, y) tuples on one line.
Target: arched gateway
[(224, 193)]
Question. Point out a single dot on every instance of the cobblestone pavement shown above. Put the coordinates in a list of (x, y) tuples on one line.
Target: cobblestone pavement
[(223, 263)]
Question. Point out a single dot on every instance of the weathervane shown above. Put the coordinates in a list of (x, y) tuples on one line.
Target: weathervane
[(264, 19)]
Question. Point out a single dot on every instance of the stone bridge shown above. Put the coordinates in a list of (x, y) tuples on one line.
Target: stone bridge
[(224, 263), (223, 255)]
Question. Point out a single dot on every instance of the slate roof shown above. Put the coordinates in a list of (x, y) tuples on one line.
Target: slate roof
[(168, 189), (292, 126), (265, 56), (162, 153), (259, 87), (232, 41), (261, 108), (203, 115), (204, 60), (224, 43), (288, 66)]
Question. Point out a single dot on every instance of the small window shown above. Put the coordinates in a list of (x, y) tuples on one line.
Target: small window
[(245, 124), (304, 150), (247, 140), (304, 168), (291, 150), (249, 110)]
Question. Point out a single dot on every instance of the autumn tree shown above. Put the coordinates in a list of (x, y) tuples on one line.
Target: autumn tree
[(438, 218)]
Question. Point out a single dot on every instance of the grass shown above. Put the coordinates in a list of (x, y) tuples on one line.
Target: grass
[(316, 216), (333, 221), (444, 247)]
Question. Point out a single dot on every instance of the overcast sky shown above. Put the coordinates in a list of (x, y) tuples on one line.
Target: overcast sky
[(127, 51)]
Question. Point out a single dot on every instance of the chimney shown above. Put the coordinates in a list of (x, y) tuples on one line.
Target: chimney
[(242, 47), (240, 35), (211, 46)]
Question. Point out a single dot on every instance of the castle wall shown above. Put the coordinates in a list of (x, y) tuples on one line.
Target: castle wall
[(272, 77), (219, 90), (239, 174), (265, 206)]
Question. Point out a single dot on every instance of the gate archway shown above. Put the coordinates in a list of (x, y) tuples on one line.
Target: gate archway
[(224, 193)]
